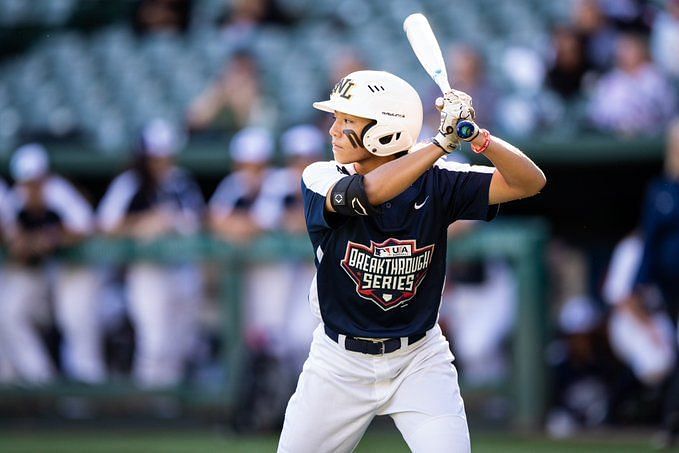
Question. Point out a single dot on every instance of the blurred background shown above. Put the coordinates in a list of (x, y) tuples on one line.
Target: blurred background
[(155, 265)]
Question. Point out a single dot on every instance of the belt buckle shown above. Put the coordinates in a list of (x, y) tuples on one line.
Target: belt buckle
[(382, 345)]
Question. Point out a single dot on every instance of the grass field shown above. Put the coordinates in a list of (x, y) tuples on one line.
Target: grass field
[(376, 441)]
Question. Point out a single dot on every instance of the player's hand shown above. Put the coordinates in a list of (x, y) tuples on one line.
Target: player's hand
[(458, 104), (454, 106)]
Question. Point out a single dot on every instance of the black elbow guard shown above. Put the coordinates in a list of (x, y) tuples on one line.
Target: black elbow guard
[(349, 198)]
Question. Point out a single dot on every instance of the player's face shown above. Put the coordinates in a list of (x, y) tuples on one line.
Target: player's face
[(345, 132)]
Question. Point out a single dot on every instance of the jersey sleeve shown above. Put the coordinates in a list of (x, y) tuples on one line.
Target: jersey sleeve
[(223, 201), (74, 210), (465, 190), (317, 180), (268, 209), (114, 206)]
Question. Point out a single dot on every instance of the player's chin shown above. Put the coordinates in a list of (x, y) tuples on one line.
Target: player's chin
[(341, 156)]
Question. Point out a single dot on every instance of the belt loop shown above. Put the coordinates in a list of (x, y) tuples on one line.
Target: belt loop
[(342, 341), (404, 342)]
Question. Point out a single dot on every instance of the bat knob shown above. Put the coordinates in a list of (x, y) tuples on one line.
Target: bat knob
[(467, 130)]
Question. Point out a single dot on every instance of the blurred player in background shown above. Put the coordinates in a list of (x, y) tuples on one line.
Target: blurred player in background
[(660, 262), (152, 200), (231, 214), (234, 217), (43, 213), (281, 207), (377, 217)]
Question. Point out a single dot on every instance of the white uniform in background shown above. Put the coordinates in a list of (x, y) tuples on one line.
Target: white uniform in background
[(264, 289), (647, 350), (26, 286), (481, 316), (164, 299), (281, 196)]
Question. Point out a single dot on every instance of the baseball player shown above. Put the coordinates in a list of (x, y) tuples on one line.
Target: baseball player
[(44, 212), (154, 199), (377, 218)]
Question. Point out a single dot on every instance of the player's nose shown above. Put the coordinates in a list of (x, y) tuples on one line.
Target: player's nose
[(335, 129)]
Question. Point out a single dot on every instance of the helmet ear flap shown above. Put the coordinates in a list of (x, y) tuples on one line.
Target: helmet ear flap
[(384, 141)]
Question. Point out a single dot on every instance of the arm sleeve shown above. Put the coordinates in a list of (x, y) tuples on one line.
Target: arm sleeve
[(317, 180), (268, 209), (116, 201), (622, 270), (74, 210), (465, 190), (224, 199)]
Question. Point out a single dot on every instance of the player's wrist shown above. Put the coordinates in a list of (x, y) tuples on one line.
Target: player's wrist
[(481, 142), (446, 143)]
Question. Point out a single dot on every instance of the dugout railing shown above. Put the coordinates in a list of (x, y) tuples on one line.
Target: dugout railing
[(520, 242)]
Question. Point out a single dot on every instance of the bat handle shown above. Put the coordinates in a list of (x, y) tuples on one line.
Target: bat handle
[(466, 130)]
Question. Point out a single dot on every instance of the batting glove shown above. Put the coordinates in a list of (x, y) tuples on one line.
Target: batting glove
[(454, 106)]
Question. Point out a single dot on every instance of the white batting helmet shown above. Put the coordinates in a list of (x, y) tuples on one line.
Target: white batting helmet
[(391, 102), (29, 162)]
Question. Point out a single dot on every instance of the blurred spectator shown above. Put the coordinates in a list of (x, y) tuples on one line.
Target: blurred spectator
[(597, 31), (627, 15), (569, 64), (244, 17), (43, 214), (665, 39), (234, 101), (467, 68), (348, 60), (660, 261), (162, 16), (634, 98), (156, 199)]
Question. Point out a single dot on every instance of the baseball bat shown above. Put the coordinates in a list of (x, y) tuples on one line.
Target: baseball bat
[(428, 52)]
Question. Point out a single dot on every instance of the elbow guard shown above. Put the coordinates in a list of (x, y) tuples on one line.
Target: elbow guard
[(349, 198)]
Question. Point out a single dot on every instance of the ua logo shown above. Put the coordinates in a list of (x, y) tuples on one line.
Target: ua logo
[(343, 87)]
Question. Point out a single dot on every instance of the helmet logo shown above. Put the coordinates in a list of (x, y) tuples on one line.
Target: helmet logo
[(343, 87)]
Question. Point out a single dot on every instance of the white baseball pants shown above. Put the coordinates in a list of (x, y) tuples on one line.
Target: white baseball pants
[(339, 393), (24, 300), (163, 308)]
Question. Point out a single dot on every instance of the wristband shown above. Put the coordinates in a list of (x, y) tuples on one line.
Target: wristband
[(486, 142)]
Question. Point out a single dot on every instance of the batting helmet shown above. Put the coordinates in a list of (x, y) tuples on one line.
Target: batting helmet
[(28, 163), (391, 102)]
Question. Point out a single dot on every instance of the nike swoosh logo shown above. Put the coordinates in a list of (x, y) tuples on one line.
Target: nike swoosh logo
[(418, 206)]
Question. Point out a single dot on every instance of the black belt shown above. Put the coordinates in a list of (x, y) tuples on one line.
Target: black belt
[(374, 347)]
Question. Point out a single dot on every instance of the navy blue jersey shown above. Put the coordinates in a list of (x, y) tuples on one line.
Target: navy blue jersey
[(382, 276), (660, 261)]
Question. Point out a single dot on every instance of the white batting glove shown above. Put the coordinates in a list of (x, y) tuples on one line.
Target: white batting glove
[(457, 103), (454, 106)]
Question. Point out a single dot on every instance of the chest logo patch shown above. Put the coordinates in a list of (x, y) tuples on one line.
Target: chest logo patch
[(389, 273)]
